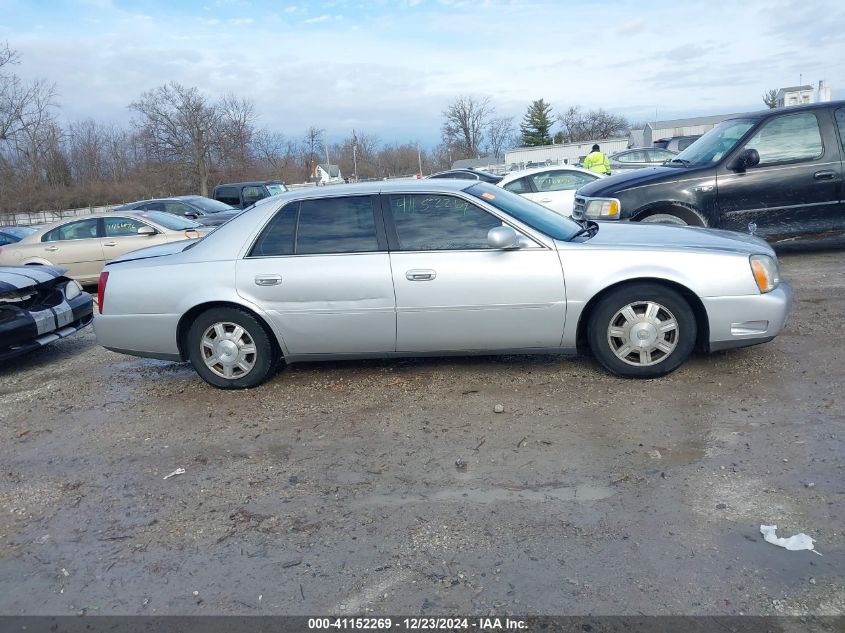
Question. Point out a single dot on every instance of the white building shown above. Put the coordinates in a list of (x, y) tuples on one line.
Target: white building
[(694, 126), (795, 95), (327, 174), (566, 153)]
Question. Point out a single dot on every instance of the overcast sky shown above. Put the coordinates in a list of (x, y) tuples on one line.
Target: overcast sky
[(389, 67)]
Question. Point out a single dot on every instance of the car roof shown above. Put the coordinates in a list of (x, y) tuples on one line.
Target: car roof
[(250, 182), (408, 185), (515, 175), (762, 114)]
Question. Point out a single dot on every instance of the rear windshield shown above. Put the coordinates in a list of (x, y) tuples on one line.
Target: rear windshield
[(531, 213)]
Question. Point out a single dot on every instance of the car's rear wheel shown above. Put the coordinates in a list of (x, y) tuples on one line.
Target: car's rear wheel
[(642, 330), (230, 349)]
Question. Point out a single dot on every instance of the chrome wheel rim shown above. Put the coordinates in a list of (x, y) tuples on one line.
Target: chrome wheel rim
[(228, 350), (643, 333)]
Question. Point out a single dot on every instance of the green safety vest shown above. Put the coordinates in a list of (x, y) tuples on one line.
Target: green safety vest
[(598, 162)]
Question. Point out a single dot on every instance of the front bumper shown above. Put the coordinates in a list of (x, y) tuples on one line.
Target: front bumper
[(747, 320), (23, 331)]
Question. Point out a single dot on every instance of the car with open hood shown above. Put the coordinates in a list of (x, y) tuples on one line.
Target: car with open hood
[(39, 305), (436, 267)]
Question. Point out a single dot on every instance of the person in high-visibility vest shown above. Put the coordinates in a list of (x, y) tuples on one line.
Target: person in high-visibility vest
[(596, 161)]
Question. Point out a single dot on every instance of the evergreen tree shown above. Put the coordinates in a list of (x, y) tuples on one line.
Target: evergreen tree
[(536, 124)]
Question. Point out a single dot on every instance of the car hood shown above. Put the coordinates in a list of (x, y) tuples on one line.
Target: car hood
[(634, 178), (156, 251), (672, 237), (14, 278)]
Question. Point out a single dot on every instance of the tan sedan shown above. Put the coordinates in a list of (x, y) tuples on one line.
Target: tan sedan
[(84, 245)]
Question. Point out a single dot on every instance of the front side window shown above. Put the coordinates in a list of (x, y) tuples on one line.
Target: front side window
[(331, 225), (121, 227), (633, 157), (439, 223), (787, 139), (561, 180), (179, 208), (276, 188), (80, 230), (252, 195)]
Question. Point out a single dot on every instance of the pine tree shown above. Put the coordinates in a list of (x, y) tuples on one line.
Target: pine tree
[(536, 124)]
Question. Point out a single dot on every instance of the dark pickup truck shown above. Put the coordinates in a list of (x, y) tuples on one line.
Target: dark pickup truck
[(777, 174), (243, 194)]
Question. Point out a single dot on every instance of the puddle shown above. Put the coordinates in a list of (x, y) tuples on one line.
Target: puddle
[(494, 495)]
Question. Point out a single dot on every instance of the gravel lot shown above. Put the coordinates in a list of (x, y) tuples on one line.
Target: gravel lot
[(334, 487)]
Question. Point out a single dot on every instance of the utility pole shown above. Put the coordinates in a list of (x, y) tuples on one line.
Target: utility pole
[(354, 155), (419, 158)]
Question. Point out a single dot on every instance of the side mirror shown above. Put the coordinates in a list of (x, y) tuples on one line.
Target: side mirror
[(147, 230), (747, 158), (502, 237), (190, 215)]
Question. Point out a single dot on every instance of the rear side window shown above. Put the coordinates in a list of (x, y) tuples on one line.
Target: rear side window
[(253, 194), (787, 139), (310, 227), (561, 180), (229, 195), (81, 230)]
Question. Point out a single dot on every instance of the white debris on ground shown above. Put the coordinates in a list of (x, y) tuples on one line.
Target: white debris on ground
[(793, 543)]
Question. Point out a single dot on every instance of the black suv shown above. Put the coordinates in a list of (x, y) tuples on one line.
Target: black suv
[(776, 173), (243, 194)]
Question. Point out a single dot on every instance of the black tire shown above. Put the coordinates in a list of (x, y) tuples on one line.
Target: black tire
[(665, 218), (653, 352), (255, 367)]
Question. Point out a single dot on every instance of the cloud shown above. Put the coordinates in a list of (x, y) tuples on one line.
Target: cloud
[(318, 19), (631, 27)]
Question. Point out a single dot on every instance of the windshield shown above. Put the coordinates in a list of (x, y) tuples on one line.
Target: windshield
[(210, 206), (534, 215), (276, 189), (172, 222), (18, 231), (711, 147)]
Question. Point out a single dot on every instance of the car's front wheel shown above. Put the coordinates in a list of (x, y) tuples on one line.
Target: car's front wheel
[(642, 330), (230, 349)]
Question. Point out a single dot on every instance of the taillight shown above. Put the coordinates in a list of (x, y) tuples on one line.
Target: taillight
[(101, 289)]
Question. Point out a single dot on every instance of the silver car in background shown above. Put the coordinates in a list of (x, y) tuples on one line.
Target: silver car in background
[(436, 267)]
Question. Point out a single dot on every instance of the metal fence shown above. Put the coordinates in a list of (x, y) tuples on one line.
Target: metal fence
[(30, 218)]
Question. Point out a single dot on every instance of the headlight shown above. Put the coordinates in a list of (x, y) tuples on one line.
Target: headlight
[(72, 290), (607, 209), (765, 271)]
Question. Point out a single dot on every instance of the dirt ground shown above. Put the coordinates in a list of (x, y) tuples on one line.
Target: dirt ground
[(334, 488)]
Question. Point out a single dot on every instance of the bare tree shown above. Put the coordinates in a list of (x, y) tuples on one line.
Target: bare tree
[(178, 125), (592, 125), (464, 122), (279, 153), (313, 148), (237, 119), (770, 98), (500, 133)]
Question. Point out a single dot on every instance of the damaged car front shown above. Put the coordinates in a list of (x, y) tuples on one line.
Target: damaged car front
[(39, 305)]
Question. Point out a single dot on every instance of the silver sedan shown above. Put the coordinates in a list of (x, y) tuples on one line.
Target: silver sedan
[(436, 267)]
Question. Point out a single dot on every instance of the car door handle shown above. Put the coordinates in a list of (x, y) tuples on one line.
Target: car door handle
[(110, 244), (268, 280), (420, 275), (52, 248), (545, 199), (825, 175)]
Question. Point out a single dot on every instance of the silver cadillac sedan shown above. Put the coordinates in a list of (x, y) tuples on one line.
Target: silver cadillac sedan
[(436, 267)]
